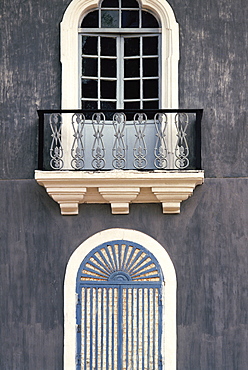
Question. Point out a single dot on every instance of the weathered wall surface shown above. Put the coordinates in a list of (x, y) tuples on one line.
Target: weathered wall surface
[(207, 243), (213, 65)]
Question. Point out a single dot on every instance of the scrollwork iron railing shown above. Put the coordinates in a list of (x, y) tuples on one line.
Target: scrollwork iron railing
[(103, 140)]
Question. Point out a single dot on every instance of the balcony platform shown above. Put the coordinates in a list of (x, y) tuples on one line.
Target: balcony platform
[(119, 188)]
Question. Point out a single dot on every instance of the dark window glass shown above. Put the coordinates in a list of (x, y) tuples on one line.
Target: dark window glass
[(108, 89), (131, 46), (108, 67), (132, 89), (89, 67), (150, 89), (89, 45), (90, 20), (149, 21), (130, 19), (132, 105), (150, 104), (89, 88), (108, 46), (87, 104), (110, 18), (129, 4), (132, 68), (110, 4), (108, 105), (150, 67), (150, 45)]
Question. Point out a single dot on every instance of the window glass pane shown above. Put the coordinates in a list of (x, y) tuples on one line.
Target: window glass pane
[(108, 105), (129, 4), (108, 46), (131, 68), (108, 89), (150, 45), (90, 20), (149, 21), (150, 67), (130, 19), (132, 89), (89, 45), (110, 18), (87, 104), (150, 88), (110, 4), (132, 105), (89, 88), (131, 46), (89, 67), (108, 67), (150, 104)]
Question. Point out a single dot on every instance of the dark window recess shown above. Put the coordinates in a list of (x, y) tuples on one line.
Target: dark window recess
[(132, 89), (105, 105), (89, 105), (108, 89), (108, 67), (132, 68), (148, 20), (131, 46), (110, 4), (91, 20), (150, 67), (89, 88), (130, 19), (110, 18), (89, 67), (108, 46), (150, 104), (89, 45), (150, 45), (150, 89), (132, 105), (129, 4)]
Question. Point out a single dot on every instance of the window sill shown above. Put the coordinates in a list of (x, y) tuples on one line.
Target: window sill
[(119, 188)]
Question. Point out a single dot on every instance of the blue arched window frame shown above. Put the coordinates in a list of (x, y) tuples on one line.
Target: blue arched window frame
[(129, 272)]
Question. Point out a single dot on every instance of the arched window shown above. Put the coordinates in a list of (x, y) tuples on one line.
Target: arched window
[(120, 304), (119, 308), (142, 44), (119, 57)]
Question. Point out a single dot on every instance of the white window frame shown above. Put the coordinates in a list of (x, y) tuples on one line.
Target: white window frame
[(168, 300), (69, 50)]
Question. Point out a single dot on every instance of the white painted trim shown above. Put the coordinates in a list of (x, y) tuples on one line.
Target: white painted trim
[(169, 296), (69, 50), (119, 188)]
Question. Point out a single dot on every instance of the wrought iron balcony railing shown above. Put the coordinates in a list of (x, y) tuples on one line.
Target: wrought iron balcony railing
[(103, 140)]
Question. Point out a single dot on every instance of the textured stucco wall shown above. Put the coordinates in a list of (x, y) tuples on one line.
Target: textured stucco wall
[(212, 75), (207, 243)]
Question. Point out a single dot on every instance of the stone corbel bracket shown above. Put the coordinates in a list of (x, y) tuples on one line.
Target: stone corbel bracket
[(119, 188)]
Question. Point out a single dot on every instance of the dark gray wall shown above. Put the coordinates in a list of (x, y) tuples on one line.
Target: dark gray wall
[(207, 243), (213, 65)]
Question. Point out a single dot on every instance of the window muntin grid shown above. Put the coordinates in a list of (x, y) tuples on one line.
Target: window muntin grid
[(120, 67)]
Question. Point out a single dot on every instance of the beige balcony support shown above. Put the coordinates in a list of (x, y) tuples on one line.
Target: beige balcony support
[(119, 188)]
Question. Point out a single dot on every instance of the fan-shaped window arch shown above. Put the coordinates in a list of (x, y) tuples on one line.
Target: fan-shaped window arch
[(120, 303), (119, 315)]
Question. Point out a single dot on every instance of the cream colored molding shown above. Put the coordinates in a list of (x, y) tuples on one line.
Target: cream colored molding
[(119, 188), (169, 332), (69, 50)]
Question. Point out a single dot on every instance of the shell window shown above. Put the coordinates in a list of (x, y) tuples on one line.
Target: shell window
[(119, 310), (119, 57)]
